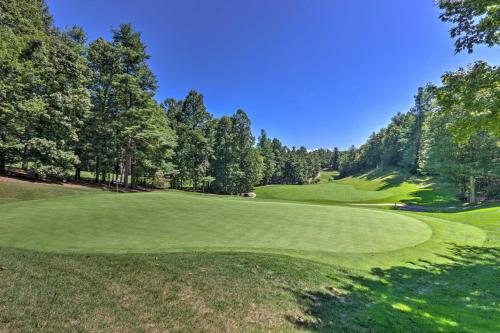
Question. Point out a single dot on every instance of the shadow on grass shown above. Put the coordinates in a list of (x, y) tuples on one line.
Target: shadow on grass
[(431, 196), (459, 296), (388, 177)]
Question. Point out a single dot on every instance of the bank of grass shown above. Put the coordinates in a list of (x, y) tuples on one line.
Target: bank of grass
[(449, 283), (13, 190), (378, 186)]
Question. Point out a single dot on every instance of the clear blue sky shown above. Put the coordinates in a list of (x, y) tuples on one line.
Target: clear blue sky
[(318, 73)]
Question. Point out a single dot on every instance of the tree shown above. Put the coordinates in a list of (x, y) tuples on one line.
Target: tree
[(471, 99), (134, 87), (334, 162), (249, 159), (348, 162), (464, 162), (280, 155), (425, 102), (100, 136), (475, 22), (194, 128), (266, 151), (237, 165), (43, 99), (150, 141)]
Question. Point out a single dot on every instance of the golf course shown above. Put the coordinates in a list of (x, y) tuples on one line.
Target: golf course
[(216, 263), (249, 166)]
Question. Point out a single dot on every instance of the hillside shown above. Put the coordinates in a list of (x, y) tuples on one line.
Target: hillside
[(379, 186)]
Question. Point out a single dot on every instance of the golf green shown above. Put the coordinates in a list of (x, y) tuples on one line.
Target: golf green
[(174, 221)]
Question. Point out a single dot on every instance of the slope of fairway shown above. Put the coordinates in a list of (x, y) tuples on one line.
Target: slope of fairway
[(319, 193), (177, 221), (377, 186)]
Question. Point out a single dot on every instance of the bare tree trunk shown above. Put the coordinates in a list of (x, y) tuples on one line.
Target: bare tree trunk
[(126, 174), (97, 169), (2, 162), (25, 158), (472, 189), (133, 178)]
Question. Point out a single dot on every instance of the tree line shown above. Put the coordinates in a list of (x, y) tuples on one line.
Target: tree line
[(68, 105), (453, 129)]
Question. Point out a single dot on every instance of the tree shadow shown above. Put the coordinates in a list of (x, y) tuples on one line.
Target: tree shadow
[(388, 177), (461, 295), (431, 196)]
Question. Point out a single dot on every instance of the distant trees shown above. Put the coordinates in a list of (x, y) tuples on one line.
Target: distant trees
[(452, 130), (68, 106), (237, 165), (194, 127)]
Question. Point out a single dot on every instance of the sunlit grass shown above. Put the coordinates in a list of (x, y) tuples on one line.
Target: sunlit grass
[(450, 282)]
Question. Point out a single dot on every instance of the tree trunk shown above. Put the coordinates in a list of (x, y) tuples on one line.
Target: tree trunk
[(133, 178), (97, 169), (2, 162), (24, 165), (472, 189), (77, 173), (128, 163)]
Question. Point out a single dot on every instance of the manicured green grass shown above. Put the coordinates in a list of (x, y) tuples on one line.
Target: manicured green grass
[(344, 269), (214, 292), (327, 176), (380, 186), (157, 222)]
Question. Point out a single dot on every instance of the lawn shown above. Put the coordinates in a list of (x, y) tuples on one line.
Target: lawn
[(379, 186), (176, 262), (168, 221)]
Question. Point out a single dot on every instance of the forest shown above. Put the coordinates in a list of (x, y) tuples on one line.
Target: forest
[(69, 105)]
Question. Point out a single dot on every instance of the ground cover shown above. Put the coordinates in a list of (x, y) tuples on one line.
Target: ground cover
[(446, 282)]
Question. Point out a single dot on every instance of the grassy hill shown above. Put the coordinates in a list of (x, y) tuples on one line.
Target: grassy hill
[(378, 186), (13, 190), (86, 260)]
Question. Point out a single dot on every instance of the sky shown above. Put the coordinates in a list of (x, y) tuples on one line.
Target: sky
[(313, 73)]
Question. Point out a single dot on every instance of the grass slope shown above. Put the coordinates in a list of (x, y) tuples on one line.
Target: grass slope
[(378, 186), (13, 190), (448, 283)]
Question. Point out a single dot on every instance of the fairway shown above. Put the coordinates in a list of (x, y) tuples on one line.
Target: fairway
[(321, 193), (173, 221), (380, 186)]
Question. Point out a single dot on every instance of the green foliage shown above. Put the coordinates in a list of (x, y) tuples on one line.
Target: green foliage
[(237, 166), (452, 130), (265, 146), (45, 100), (471, 100), (193, 126), (474, 22)]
